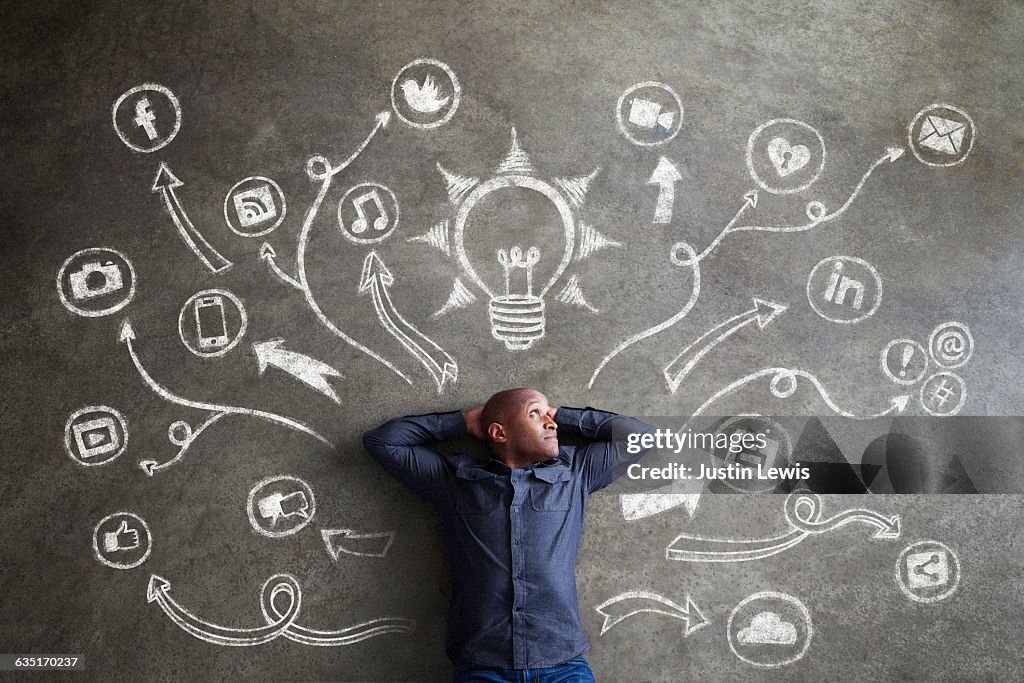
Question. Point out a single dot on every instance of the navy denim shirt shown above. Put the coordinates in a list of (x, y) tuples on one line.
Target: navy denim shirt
[(512, 535)]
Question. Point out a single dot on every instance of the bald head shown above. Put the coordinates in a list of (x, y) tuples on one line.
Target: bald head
[(501, 406)]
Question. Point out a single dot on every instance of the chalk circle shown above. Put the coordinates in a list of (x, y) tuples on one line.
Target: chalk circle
[(672, 131), (775, 386), (452, 105), (204, 342), (160, 141), (773, 599), (368, 219), (252, 203), (781, 458), (99, 453), (837, 263), (179, 433), (919, 352), (145, 539), (951, 345), (301, 503), (753, 139), (936, 384), (962, 156), (80, 288), (691, 254), (951, 570)]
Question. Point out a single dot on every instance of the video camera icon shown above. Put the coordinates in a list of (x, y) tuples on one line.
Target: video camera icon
[(649, 113)]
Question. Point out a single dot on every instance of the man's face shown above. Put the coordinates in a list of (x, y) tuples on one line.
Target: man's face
[(529, 429)]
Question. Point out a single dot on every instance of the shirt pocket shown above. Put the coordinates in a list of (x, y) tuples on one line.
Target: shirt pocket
[(477, 491), (553, 489)]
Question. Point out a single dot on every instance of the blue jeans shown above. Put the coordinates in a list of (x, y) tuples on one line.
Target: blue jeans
[(576, 670)]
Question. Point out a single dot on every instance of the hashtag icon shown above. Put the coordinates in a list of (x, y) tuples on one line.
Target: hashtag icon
[(941, 394)]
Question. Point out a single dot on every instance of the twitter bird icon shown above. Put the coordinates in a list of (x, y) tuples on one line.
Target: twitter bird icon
[(426, 98)]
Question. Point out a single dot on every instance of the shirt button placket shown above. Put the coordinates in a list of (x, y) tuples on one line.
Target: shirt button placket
[(518, 560)]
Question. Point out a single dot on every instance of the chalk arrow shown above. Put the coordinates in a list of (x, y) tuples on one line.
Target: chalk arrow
[(894, 153), (627, 604), (268, 256), (159, 589), (763, 312), (165, 183), (348, 541), (665, 176), (376, 279), (306, 369)]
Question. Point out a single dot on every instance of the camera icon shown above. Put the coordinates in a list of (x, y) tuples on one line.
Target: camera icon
[(93, 280)]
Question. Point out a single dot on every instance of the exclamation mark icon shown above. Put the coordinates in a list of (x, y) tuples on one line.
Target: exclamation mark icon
[(908, 353)]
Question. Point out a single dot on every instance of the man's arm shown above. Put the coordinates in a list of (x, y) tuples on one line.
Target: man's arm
[(398, 445), (611, 452)]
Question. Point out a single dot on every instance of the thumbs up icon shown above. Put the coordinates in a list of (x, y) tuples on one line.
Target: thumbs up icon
[(125, 538)]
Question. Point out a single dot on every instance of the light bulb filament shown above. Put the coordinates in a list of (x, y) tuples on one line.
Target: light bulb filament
[(514, 258)]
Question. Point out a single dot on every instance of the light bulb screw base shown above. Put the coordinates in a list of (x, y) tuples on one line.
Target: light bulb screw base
[(517, 320)]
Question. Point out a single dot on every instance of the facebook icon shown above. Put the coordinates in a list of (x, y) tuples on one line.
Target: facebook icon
[(144, 117)]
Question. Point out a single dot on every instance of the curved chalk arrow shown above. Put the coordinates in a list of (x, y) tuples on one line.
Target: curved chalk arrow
[(762, 313), (127, 336), (627, 604), (319, 168), (376, 278), (689, 548), (308, 370), (665, 176), (348, 541), (694, 264), (165, 183), (749, 202), (897, 404), (267, 255), (159, 592)]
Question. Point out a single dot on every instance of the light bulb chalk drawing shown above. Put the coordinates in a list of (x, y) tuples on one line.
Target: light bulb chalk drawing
[(517, 315), (280, 622), (376, 280), (165, 184), (319, 168), (630, 603), (802, 512), (181, 433)]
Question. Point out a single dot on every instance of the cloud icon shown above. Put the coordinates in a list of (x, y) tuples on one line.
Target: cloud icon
[(767, 628)]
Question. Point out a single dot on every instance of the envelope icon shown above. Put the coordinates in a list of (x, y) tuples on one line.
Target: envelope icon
[(942, 135)]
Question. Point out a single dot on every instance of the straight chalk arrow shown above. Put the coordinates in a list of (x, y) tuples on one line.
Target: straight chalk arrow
[(665, 176), (308, 370)]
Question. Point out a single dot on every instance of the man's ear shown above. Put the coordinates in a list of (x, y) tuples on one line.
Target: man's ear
[(497, 432)]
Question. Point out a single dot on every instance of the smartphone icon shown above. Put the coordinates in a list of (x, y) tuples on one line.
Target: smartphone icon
[(210, 322)]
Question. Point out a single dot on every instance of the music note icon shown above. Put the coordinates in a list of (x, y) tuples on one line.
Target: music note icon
[(360, 224)]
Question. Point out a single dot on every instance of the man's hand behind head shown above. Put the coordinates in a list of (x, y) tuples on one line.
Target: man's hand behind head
[(473, 423)]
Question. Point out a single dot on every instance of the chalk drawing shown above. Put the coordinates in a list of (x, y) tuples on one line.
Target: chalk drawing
[(254, 206), (784, 384), (517, 315), (306, 369), (122, 540), (951, 345), (939, 139), (904, 361), (459, 297), (207, 328), (319, 168), (95, 282), (692, 262), (684, 492), (269, 256), (280, 506), (625, 605), (943, 394), (572, 294), (95, 435), (769, 629), (165, 183), (181, 433), (837, 287), (280, 622), (776, 453), (436, 236), (665, 176), (649, 113), (425, 93), (927, 571), (368, 227), (376, 279), (749, 202), (802, 511), (784, 157), (139, 127), (763, 312), (592, 241), (351, 542)]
